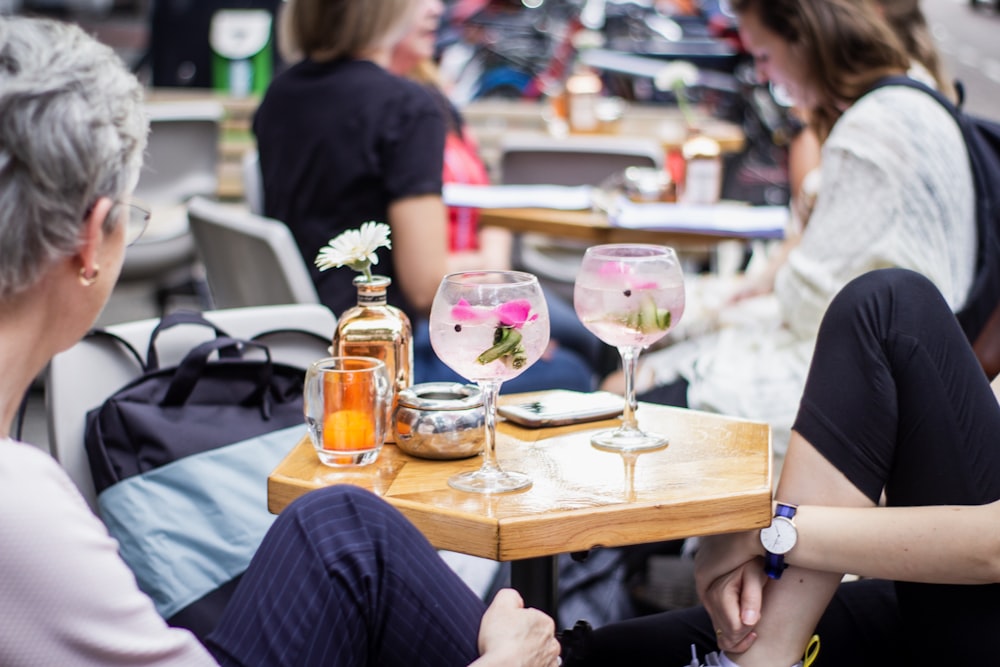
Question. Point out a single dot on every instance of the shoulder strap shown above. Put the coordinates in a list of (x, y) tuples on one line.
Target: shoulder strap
[(982, 141), (908, 82)]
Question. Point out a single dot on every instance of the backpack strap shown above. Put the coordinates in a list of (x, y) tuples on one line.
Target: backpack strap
[(982, 142), (174, 319), (908, 82)]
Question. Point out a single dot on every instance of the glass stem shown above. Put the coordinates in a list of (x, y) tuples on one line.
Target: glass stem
[(490, 390), (629, 458), (630, 362)]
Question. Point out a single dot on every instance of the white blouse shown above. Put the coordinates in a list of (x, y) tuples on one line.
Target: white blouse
[(66, 597)]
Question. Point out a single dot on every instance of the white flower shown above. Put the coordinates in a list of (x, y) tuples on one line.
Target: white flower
[(355, 248), (676, 75)]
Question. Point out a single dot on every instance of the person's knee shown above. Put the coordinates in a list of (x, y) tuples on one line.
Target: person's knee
[(340, 500), (876, 292), (893, 281)]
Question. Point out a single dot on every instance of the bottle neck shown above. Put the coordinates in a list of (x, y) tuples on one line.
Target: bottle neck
[(366, 299), (372, 293)]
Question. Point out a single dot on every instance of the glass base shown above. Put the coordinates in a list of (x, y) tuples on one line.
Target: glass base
[(627, 440), (343, 459), (489, 481)]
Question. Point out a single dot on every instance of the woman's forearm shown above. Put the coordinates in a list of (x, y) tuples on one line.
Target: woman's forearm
[(419, 247), (946, 545)]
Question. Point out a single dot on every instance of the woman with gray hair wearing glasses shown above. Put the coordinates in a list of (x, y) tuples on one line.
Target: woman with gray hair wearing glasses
[(340, 579)]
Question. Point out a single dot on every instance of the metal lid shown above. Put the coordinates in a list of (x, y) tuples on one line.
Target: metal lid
[(441, 396)]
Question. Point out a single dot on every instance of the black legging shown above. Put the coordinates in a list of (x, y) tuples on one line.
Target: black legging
[(896, 400)]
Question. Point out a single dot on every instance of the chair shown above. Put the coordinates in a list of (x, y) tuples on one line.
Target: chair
[(81, 378), (530, 158), (253, 189), (249, 260), (182, 158)]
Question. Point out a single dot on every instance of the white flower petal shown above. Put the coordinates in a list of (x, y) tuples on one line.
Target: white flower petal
[(355, 247), (676, 73)]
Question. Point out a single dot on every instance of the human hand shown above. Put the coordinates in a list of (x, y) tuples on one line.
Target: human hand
[(733, 601), (729, 578), (750, 287), (512, 636)]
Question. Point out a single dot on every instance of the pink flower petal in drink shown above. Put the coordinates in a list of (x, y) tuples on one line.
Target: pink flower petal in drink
[(611, 269), (640, 285), (515, 313), (464, 312)]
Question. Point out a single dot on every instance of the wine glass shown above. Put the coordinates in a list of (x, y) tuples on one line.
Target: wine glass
[(629, 295), (489, 326)]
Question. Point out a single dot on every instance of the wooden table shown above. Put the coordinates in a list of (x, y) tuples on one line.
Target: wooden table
[(593, 228), (714, 477)]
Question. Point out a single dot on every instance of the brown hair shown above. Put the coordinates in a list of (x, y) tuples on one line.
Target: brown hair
[(910, 26), (326, 30), (844, 44)]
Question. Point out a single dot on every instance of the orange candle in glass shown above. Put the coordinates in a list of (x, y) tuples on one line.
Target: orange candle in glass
[(347, 401)]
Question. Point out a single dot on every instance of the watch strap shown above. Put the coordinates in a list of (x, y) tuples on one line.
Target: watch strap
[(774, 564)]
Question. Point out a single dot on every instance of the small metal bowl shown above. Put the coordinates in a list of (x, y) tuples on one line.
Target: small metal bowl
[(439, 420)]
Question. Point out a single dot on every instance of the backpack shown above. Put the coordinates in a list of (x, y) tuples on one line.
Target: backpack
[(982, 140), (180, 458)]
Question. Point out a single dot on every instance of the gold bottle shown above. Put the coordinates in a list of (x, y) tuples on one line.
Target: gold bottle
[(373, 328)]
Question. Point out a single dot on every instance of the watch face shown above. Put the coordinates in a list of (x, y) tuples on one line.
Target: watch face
[(780, 536)]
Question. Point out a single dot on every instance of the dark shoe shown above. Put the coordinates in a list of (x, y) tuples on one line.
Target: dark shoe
[(575, 643)]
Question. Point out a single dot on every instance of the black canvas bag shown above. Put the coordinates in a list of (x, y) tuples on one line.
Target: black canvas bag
[(180, 458)]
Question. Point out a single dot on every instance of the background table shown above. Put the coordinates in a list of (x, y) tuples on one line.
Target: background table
[(593, 228), (714, 477)]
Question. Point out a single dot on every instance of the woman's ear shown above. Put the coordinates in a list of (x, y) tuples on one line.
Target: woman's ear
[(92, 236)]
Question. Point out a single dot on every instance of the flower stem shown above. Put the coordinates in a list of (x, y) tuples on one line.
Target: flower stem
[(684, 105)]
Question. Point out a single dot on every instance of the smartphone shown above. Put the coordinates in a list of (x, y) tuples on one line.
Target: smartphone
[(560, 407)]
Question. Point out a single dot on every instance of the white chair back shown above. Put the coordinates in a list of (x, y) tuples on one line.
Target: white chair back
[(182, 156), (534, 158), (249, 260), (253, 187)]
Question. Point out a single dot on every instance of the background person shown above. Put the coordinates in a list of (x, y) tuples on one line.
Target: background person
[(472, 247), (896, 191), (342, 578), (909, 24), (343, 141)]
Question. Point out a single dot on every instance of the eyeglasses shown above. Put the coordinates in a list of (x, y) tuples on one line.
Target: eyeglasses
[(138, 220)]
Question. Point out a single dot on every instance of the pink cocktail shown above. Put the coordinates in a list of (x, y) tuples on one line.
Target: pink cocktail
[(489, 326), (629, 296)]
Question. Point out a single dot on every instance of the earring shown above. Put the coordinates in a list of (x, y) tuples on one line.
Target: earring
[(88, 281)]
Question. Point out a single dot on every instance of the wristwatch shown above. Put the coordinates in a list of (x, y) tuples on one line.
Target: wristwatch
[(778, 539)]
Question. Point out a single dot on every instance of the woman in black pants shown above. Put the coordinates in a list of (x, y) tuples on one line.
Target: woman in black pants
[(895, 403)]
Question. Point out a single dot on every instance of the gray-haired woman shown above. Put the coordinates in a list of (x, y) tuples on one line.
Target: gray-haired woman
[(341, 579)]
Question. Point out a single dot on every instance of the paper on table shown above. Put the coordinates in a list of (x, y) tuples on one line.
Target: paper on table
[(722, 218), (568, 198)]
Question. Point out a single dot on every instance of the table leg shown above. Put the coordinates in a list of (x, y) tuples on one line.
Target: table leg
[(537, 580)]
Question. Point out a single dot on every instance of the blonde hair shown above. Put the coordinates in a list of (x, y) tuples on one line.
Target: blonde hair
[(844, 45), (326, 30)]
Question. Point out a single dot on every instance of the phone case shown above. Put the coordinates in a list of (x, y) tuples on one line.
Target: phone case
[(561, 407)]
